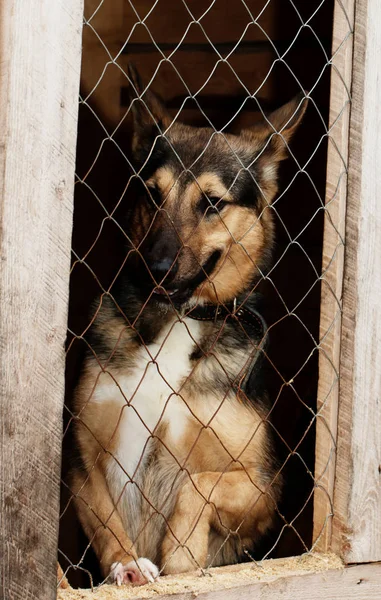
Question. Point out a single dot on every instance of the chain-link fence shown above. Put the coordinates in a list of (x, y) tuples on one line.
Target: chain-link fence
[(194, 344)]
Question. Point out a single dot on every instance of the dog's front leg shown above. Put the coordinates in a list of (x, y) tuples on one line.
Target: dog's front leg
[(185, 545), (222, 500), (104, 528)]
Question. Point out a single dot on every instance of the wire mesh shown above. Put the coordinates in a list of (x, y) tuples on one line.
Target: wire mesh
[(174, 451)]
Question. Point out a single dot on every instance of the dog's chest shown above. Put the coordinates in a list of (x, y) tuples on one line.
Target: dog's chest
[(149, 395)]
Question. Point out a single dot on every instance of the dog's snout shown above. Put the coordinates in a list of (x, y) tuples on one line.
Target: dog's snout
[(165, 268), (161, 251)]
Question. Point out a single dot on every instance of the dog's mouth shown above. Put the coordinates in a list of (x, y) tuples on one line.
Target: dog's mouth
[(180, 292), (161, 291)]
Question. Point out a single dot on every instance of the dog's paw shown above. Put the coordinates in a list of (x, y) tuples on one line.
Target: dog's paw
[(135, 572)]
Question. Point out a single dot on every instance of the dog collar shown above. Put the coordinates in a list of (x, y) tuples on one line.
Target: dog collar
[(247, 316)]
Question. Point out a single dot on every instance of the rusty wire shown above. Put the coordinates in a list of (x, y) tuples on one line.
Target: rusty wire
[(290, 312)]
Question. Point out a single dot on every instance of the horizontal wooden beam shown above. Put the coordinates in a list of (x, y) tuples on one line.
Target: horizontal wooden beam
[(313, 577), (208, 101), (244, 47)]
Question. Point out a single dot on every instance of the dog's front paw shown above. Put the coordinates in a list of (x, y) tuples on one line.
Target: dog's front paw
[(135, 572)]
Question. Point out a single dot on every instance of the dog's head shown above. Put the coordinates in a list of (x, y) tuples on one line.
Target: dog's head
[(203, 228)]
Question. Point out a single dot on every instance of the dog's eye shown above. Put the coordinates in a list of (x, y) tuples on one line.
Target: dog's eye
[(207, 204), (217, 202), (154, 194)]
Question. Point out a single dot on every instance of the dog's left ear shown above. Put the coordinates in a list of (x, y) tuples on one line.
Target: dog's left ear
[(286, 121), (149, 114), (280, 126), (268, 141)]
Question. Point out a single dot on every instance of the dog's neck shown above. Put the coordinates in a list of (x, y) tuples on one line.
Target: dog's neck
[(149, 315)]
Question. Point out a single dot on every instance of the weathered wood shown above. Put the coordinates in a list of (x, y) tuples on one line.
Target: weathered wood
[(357, 499), (332, 273), (40, 53), (362, 582)]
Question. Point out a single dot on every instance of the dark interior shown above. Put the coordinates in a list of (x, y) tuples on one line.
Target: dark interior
[(296, 57)]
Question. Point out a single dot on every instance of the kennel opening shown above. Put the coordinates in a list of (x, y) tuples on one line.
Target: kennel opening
[(61, 187), (268, 46)]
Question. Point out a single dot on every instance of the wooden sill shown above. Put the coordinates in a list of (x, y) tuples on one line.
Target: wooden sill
[(312, 577)]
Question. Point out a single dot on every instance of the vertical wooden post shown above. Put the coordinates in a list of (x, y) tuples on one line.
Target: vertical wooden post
[(332, 272), (357, 498), (39, 81)]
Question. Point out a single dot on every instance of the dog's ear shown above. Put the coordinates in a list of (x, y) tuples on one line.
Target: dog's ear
[(268, 141), (149, 114), (280, 126), (285, 121)]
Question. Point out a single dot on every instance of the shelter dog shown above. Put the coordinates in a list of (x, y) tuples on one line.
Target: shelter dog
[(177, 462)]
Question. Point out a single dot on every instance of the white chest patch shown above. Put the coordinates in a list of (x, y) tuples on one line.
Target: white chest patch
[(151, 389)]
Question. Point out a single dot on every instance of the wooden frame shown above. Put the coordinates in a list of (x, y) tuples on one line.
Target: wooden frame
[(357, 495), (332, 272), (348, 412), (40, 65), (313, 577), (40, 46)]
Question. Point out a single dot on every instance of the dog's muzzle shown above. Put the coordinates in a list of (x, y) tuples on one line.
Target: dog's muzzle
[(179, 291)]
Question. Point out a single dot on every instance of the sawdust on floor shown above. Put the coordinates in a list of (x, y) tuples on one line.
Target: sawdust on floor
[(214, 579)]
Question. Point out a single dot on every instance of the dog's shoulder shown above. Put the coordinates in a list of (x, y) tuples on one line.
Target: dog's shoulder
[(110, 335)]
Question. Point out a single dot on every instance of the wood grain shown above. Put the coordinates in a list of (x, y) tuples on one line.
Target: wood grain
[(332, 273), (357, 500), (361, 582), (40, 51)]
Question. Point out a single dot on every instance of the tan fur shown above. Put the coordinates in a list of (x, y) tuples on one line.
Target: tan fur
[(211, 185), (238, 231), (219, 459), (62, 581)]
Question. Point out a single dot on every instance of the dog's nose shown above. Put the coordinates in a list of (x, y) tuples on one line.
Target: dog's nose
[(164, 268)]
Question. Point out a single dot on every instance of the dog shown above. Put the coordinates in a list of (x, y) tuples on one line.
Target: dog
[(177, 466)]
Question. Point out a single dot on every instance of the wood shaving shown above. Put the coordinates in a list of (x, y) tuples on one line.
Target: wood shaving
[(195, 584)]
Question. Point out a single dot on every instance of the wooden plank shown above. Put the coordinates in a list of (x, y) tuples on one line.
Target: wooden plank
[(357, 500), (39, 82), (110, 25), (332, 273), (138, 27), (198, 70), (103, 40), (105, 17), (220, 21), (267, 582)]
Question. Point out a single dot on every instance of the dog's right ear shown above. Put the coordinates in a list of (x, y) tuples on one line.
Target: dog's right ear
[(150, 117)]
